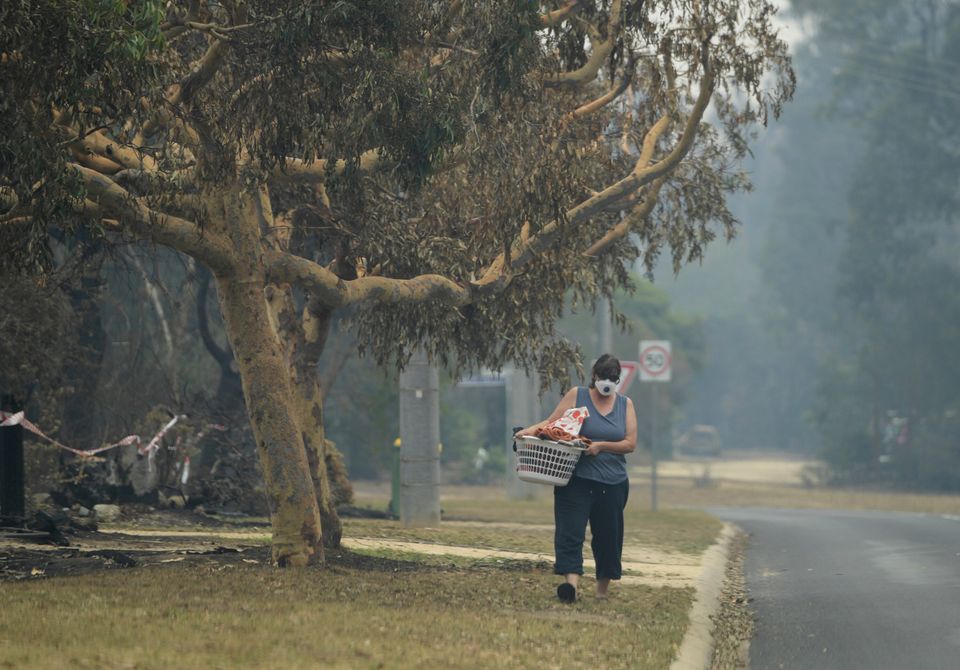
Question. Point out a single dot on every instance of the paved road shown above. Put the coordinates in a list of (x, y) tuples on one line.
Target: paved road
[(852, 590)]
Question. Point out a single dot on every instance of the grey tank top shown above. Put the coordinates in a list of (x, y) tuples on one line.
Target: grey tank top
[(604, 467)]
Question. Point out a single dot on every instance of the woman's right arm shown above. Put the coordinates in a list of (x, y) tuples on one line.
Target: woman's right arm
[(567, 402)]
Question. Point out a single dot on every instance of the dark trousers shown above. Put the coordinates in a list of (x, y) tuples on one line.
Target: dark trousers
[(575, 504)]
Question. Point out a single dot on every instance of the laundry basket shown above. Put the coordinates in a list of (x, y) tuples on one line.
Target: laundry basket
[(545, 462)]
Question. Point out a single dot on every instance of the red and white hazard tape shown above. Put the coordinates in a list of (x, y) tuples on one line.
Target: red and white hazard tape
[(8, 419), (17, 418)]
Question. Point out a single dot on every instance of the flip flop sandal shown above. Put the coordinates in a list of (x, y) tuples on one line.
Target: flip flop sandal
[(567, 593)]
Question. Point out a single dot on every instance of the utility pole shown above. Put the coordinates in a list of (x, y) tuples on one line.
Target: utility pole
[(604, 328), (419, 443), (523, 409)]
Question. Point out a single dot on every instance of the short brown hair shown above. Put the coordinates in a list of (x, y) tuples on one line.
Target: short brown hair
[(606, 367)]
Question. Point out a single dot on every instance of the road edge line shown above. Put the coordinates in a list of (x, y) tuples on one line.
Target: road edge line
[(696, 648)]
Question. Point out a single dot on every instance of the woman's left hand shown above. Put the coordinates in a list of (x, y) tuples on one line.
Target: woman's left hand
[(593, 449)]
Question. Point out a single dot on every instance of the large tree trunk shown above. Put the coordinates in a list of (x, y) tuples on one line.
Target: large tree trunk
[(304, 339), (309, 408), (326, 463), (266, 388)]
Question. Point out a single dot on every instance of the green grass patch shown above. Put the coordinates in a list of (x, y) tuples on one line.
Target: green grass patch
[(341, 617)]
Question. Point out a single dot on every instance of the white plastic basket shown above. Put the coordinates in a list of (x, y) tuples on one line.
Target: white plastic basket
[(545, 462)]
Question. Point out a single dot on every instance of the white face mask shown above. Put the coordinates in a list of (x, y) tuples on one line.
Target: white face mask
[(605, 387)]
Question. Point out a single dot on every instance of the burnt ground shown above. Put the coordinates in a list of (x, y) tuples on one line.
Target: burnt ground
[(18, 563), (193, 539)]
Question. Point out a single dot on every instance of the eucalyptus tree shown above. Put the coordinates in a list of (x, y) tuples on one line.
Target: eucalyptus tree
[(447, 171)]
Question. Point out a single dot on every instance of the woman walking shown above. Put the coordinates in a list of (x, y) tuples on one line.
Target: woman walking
[(597, 492)]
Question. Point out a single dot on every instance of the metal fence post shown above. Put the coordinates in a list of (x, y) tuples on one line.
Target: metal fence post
[(11, 465)]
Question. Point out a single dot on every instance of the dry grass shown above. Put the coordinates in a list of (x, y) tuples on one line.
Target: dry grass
[(529, 522), (685, 531), (253, 617), (382, 609)]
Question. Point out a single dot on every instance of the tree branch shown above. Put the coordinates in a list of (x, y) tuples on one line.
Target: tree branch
[(99, 144), (332, 292), (16, 220), (297, 170), (173, 29), (522, 250), (599, 52), (557, 16), (638, 214), (164, 229), (201, 73), (146, 180), (178, 95), (94, 161), (599, 103)]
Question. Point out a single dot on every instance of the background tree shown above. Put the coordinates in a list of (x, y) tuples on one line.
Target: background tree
[(887, 394), (475, 160), (769, 299)]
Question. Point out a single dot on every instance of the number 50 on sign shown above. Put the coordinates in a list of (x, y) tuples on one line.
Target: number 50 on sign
[(656, 360)]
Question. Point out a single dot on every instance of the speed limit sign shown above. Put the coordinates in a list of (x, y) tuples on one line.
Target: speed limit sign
[(656, 360)]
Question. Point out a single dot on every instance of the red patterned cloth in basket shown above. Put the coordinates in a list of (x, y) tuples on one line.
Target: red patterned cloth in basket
[(567, 427)]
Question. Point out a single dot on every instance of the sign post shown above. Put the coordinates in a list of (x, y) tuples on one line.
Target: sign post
[(656, 364)]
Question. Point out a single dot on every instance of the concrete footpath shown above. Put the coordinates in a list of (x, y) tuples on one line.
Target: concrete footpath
[(641, 565)]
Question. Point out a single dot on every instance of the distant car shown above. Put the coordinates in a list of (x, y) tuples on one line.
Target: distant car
[(701, 440)]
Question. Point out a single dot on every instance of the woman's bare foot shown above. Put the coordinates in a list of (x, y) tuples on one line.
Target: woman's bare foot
[(603, 589)]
